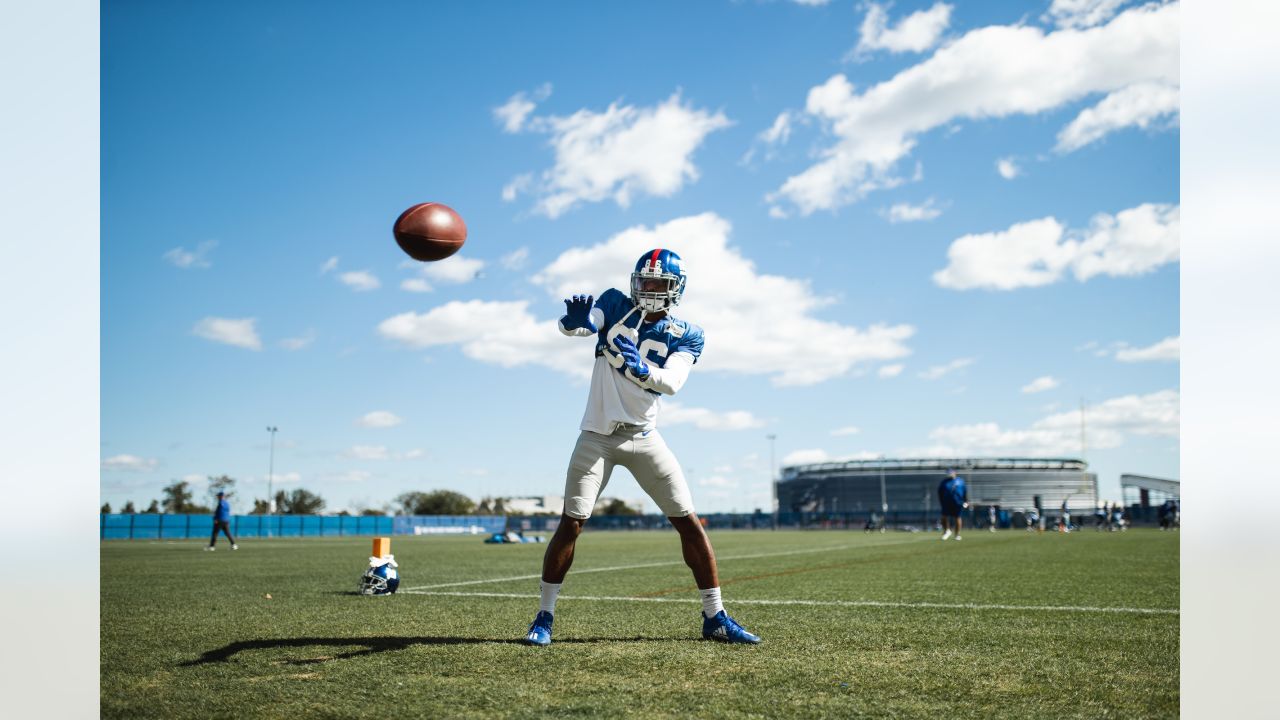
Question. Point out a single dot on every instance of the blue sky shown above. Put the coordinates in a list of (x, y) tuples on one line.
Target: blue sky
[(915, 229)]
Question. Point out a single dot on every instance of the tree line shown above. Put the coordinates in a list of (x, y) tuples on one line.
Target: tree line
[(179, 498)]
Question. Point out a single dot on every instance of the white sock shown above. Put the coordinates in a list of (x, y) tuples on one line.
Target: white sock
[(711, 602), (550, 591)]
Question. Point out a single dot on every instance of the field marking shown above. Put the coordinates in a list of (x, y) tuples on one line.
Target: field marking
[(665, 563), (824, 603)]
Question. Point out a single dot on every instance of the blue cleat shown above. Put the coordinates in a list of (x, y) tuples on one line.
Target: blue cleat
[(540, 631), (725, 629)]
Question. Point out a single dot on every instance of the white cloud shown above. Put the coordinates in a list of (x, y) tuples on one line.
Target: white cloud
[(1168, 349), (811, 3), (1082, 13), (187, 259), (417, 285), (501, 333), (360, 280), (806, 457), (519, 184), (1108, 425), (938, 371), (780, 131), (329, 265), (917, 32), (906, 212), (849, 430), (412, 454), (239, 332), (1040, 384), (280, 478), (731, 300), (719, 481), (1138, 105), (731, 303), (130, 463), (368, 452), (776, 134), (890, 371), (1040, 252), (620, 153), (379, 419), (1007, 168), (818, 455), (455, 270), (676, 414), (513, 113), (989, 72), (516, 259), (300, 342), (349, 476)]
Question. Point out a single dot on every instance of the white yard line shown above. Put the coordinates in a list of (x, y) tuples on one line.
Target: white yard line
[(824, 603), (616, 568)]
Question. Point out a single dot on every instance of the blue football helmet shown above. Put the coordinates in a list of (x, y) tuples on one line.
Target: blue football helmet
[(658, 281), (381, 580)]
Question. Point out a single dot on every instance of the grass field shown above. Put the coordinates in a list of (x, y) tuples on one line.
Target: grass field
[(1006, 624)]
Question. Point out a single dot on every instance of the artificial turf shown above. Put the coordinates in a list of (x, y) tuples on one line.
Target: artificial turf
[(276, 629)]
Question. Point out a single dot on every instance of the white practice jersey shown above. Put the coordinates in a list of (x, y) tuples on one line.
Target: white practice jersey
[(669, 346)]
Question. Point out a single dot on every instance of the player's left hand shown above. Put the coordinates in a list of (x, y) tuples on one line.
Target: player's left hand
[(966, 506), (631, 356)]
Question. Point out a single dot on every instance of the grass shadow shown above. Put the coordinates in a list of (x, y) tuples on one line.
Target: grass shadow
[(371, 645)]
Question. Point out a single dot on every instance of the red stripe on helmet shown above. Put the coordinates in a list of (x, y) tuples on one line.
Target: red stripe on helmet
[(653, 261)]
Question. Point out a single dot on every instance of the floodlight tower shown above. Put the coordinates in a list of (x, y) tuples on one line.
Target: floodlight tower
[(271, 469)]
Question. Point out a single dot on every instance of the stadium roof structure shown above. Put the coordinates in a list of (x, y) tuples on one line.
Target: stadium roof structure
[(1144, 482), (941, 464)]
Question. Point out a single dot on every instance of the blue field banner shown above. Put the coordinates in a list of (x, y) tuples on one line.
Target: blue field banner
[(121, 526), (449, 524)]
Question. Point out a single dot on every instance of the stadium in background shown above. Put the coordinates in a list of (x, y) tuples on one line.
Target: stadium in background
[(911, 485)]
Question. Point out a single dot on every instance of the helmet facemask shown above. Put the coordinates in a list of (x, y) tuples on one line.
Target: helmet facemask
[(381, 580), (654, 289)]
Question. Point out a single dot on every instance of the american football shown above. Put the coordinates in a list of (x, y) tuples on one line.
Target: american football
[(430, 231)]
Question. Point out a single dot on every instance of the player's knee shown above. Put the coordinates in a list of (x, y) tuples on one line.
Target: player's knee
[(570, 526)]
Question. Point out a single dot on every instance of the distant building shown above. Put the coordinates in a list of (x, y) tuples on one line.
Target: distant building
[(911, 485), (1147, 491), (534, 505), (554, 505)]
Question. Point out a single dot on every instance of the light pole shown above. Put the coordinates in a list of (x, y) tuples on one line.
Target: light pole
[(271, 469), (773, 485)]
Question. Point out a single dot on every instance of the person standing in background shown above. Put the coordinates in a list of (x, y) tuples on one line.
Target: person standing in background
[(222, 521), (954, 497)]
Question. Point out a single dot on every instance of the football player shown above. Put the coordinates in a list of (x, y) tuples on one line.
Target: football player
[(954, 497), (642, 353)]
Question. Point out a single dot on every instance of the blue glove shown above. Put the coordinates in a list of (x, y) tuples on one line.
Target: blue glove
[(631, 359), (577, 313)]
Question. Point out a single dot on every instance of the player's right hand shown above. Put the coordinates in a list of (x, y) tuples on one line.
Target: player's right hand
[(577, 313)]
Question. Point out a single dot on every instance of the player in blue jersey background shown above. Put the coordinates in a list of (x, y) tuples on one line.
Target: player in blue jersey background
[(953, 494), (222, 521), (642, 353)]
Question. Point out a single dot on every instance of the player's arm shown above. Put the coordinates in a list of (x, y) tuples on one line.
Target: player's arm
[(581, 318), (666, 380)]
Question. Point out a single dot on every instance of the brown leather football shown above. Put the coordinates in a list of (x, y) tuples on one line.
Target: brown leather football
[(430, 231)]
